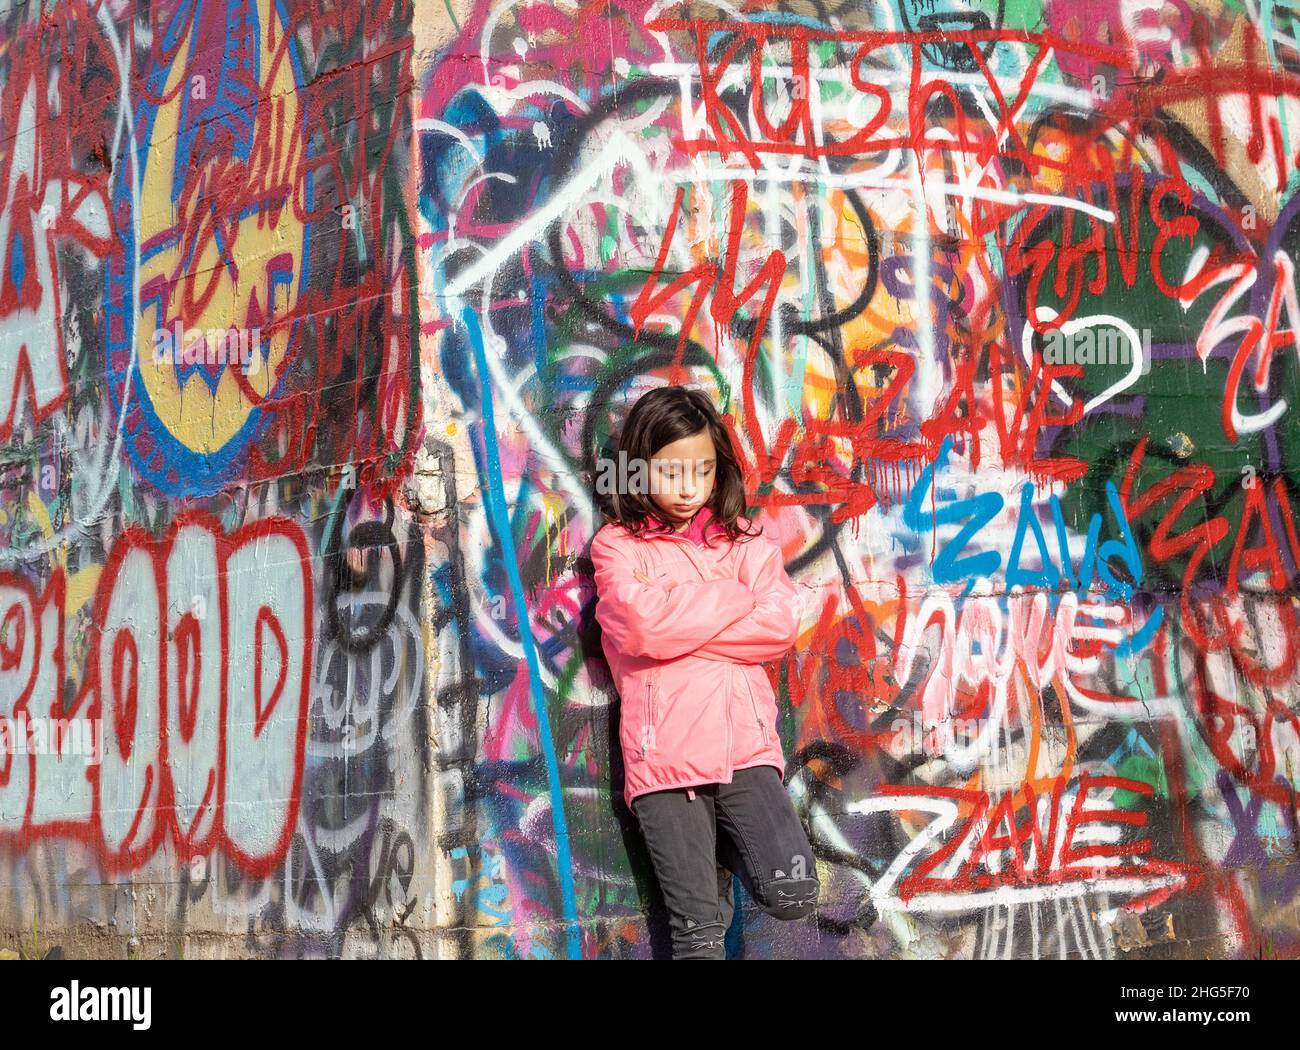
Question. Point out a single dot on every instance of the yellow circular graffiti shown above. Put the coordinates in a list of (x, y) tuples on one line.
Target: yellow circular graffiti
[(221, 238)]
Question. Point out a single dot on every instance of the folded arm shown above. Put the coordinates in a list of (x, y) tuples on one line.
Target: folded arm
[(771, 627), (662, 623)]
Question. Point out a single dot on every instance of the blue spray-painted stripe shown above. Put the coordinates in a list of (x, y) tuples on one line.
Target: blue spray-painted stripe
[(495, 503)]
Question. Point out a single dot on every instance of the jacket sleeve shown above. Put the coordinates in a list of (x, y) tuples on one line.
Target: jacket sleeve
[(772, 626), (660, 622)]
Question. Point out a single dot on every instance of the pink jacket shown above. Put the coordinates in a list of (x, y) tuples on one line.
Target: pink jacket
[(686, 651)]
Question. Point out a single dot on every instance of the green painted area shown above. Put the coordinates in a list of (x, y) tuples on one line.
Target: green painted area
[(1148, 770), (1182, 398)]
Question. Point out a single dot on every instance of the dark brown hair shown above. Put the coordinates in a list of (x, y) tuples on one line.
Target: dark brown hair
[(660, 417)]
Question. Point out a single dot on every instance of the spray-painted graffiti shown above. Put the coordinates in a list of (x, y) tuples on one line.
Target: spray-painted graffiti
[(207, 561), (327, 595), (860, 229), (52, 191), (198, 672), (212, 207)]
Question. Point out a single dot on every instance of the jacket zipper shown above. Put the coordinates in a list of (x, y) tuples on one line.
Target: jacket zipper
[(647, 727), (731, 691), (647, 732), (762, 726)]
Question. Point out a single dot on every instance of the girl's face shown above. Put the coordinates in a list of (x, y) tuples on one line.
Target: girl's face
[(682, 475)]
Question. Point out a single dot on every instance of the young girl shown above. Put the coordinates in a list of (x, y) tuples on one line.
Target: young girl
[(691, 601)]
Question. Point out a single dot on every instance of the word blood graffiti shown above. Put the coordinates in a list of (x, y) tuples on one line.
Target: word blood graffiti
[(198, 671)]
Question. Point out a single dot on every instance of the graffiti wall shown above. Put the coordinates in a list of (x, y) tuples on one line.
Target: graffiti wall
[(212, 657), (316, 320)]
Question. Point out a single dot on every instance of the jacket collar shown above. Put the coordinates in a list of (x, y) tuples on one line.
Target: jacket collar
[(700, 524)]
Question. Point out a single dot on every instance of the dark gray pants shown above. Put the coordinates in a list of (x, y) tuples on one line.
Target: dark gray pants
[(762, 840)]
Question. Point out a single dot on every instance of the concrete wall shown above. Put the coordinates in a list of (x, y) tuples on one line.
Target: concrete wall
[(314, 317)]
